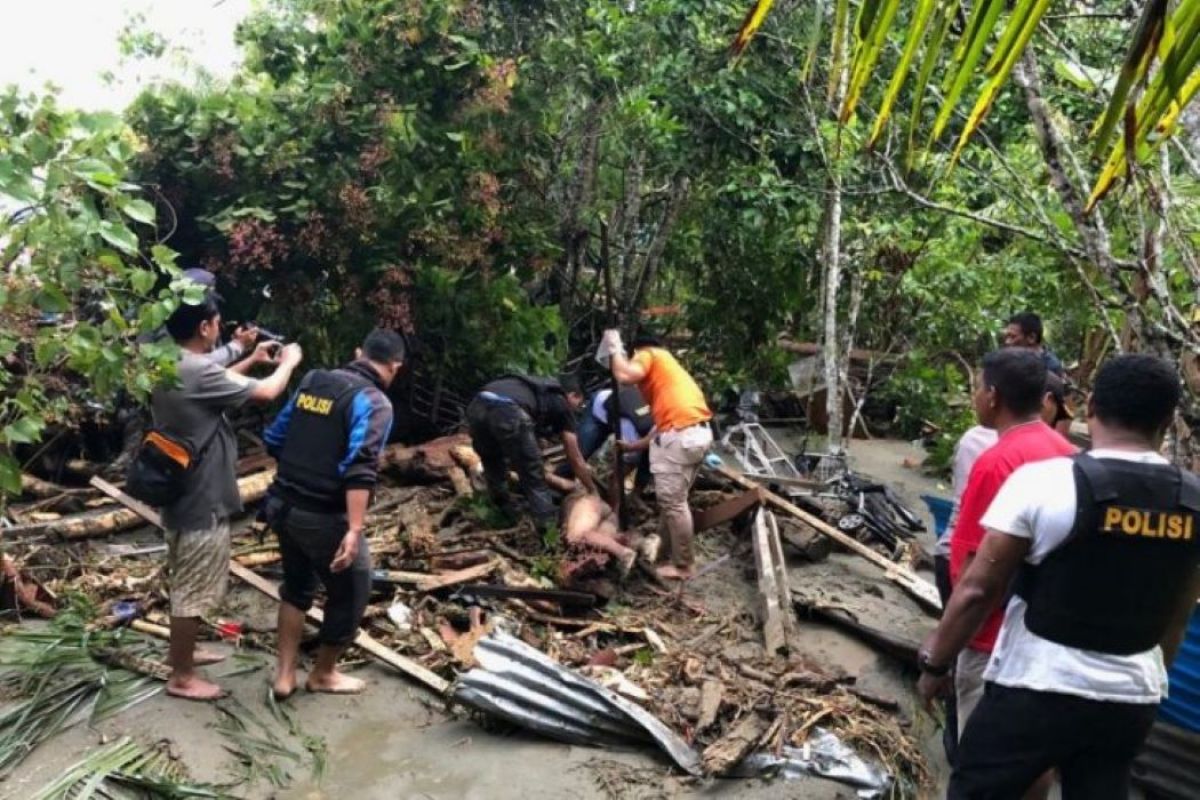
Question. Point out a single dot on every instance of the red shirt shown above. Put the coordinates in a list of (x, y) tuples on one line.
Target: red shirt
[(1022, 444)]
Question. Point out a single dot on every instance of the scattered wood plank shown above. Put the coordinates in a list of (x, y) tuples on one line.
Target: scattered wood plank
[(902, 648), (712, 693), (432, 581), (779, 565), (725, 511), (770, 607), (363, 640), (723, 754), (921, 590)]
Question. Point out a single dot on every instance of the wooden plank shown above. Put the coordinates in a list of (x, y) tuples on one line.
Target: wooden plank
[(137, 506), (769, 607), (724, 511), (432, 581), (363, 640), (921, 590), (786, 612)]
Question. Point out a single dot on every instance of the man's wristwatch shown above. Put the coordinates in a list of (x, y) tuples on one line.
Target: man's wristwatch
[(930, 668)]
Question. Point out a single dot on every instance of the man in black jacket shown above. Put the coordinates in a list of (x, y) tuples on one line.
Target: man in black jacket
[(506, 418), (328, 441)]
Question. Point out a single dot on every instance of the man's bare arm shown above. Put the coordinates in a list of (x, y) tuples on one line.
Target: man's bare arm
[(981, 588), (626, 370), (575, 458)]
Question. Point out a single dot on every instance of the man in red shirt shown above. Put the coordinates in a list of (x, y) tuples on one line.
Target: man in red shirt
[(1009, 399)]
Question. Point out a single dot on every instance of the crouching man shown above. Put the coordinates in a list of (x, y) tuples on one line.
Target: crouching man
[(328, 440)]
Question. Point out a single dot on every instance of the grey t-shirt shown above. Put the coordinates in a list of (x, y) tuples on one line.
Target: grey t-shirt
[(192, 412)]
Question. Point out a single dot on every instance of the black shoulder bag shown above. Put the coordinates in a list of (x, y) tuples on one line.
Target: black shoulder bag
[(158, 472)]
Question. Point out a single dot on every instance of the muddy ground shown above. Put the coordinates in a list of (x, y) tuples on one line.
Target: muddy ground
[(397, 740)]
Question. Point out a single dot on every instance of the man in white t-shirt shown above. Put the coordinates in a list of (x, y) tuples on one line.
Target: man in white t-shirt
[(1107, 547)]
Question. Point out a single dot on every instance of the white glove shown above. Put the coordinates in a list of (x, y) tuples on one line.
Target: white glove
[(610, 343)]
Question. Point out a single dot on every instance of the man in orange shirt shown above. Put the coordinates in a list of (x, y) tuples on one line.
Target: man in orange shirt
[(682, 437)]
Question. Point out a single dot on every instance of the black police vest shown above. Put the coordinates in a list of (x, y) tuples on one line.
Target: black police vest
[(1115, 584), (633, 407), (317, 440)]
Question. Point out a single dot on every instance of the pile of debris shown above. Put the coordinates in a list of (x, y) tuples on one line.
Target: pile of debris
[(525, 628)]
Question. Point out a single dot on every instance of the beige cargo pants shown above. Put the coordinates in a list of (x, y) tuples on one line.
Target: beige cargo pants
[(675, 458)]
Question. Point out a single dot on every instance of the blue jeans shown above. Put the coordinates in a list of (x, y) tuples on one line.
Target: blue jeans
[(592, 433)]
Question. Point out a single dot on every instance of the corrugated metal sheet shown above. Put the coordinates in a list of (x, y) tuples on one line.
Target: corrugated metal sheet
[(1169, 764), (1182, 706), (520, 684)]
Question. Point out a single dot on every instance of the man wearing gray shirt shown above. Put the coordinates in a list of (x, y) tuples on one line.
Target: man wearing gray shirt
[(197, 522)]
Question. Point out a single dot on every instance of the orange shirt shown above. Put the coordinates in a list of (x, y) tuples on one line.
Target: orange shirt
[(675, 399)]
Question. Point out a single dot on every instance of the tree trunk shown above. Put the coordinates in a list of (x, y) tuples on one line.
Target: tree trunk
[(831, 257)]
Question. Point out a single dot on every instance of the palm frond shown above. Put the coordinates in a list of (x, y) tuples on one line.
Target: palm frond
[(916, 33), (750, 24), (1021, 25), (58, 678), (874, 22), (984, 17), (126, 770)]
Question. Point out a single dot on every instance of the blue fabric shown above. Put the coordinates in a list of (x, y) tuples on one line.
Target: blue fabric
[(360, 424), (276, 433), (591, 434)]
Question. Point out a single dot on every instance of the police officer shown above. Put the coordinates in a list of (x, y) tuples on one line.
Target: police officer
[(328, 440), (506, 418), (1107, 546)]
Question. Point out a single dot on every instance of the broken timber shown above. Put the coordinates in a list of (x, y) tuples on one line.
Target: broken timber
[(921, 590), (774, 596), (362, 640)]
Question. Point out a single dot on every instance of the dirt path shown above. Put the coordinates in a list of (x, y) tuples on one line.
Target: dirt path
[(396, 741)]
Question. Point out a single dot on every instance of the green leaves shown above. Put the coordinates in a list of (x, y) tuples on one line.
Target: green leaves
[(74, 263), (119, 237), (139, 210)]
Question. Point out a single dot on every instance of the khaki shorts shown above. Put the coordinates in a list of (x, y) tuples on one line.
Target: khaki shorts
[(198, 568), (968, 684)]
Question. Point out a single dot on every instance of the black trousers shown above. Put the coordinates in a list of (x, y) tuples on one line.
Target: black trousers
[(941, 574), (307, 543), (1016, 735), (502, 433)]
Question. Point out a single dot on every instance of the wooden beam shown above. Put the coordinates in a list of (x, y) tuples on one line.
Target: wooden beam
[(363, 640), (921, 590), (725, 511), (770, 608)]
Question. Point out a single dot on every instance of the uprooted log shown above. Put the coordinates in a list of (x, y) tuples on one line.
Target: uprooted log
[(921, 590), (424, 463)]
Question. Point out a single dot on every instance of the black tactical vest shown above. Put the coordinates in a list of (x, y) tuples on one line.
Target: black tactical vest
[(1114, 585), (633, 407), (317, 440)]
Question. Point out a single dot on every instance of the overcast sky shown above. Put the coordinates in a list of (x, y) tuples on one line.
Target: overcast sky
[(72, 43)]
